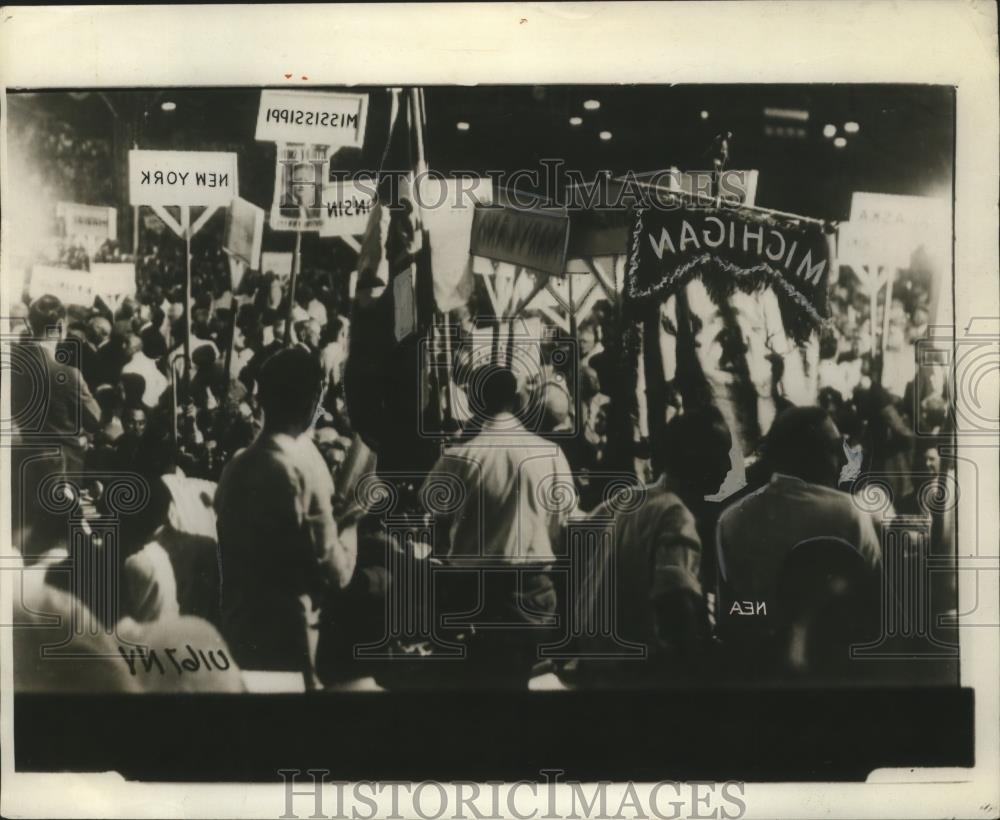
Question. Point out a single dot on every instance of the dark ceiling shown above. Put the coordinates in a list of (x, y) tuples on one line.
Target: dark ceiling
[(904, 143)]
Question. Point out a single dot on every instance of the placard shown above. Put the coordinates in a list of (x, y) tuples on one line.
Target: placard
[(91, 225), (244, 232), (112, 281), (885, 229), (345, 210), (312, 117), (71, 287), (859, 245), (182, 178), (276, 262), (532, 239), (310, 171)]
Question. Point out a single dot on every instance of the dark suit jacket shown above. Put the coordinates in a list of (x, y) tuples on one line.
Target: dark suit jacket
[(50, 400), (51, 408)]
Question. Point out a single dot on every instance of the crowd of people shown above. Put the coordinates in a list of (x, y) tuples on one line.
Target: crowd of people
[(260, 537)]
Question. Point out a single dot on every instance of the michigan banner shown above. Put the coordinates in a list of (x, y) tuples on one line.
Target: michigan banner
[(732, 248)]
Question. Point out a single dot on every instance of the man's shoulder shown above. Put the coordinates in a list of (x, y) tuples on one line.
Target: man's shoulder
[(261, 457), (744, 503), (644, 501), (831, 497), (663, 503), (798, 496), (262, 476)]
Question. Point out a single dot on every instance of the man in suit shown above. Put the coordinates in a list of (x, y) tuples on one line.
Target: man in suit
[(800, 504), (51, 405)]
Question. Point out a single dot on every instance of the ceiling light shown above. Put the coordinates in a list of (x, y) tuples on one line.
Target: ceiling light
[(591, 105), (851, 127), (605, 135), (576, 120), (796, 114), (704, 115), (829, 130), (462, 126), (840, 142), (168, 106)]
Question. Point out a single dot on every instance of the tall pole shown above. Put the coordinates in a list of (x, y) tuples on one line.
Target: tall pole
[(449, 414), (889, 279), (652, 356), (871, 283), (572, 306), (234, 263), (186, 225), (173, 400), (291, 286)]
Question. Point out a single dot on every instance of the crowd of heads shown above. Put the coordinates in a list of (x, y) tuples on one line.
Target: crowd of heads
[(160, 411), (251, 369)]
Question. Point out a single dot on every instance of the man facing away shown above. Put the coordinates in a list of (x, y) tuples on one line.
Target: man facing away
[(656, 552), (799, 504), (49, 398), (277, 537), (51, 410), (516, 492)]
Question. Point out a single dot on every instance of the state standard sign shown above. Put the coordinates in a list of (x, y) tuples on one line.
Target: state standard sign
[(182, 178), (312, 118)]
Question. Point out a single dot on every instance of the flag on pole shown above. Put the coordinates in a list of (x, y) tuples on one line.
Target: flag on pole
[(387, 246)]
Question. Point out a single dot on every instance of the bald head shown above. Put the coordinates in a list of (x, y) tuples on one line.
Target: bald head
[(101, 328), (555, 401)]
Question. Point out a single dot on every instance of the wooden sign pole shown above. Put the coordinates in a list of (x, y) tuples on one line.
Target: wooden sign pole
[(186, 227), (236, 274), (173, 402), (449, 399), (572, 306), (296, 256)]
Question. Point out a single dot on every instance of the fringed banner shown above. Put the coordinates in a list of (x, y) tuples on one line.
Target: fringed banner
[(730, 248), (533, 239)]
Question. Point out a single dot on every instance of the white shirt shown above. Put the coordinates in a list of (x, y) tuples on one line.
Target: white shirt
[(156, 382), (758, 532), (277, 542), (149, 587), (333, 358), (506, 493), (241, 358)]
